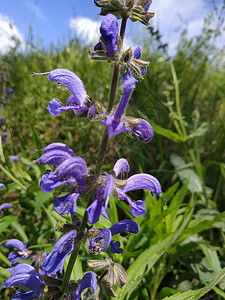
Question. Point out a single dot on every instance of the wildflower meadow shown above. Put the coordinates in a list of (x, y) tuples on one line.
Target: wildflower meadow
[(112, 165)]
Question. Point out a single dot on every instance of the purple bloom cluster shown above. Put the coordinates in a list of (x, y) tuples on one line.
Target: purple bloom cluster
[(72, 170)]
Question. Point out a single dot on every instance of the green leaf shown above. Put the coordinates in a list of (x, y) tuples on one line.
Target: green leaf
[(6, 222), (4, 259), (185, 173), (212, 257), (197, 294), (4, 274), (20, 231), (146, 260)]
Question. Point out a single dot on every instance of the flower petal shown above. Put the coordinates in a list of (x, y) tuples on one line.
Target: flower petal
[(67, 203), (5, 205), (88, 281), (70, 81), (78, 107), (121, 166), (94, 211), (74, 169), (55, 260), (115, 247), (55, 154), (124, 226), (142, 181), (136, 50), (16, 244), (104, 192), (55, 107), (143, 131), (109, 30), (104, 236)]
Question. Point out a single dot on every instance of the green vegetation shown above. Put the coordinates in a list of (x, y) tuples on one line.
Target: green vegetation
[(182, 249)]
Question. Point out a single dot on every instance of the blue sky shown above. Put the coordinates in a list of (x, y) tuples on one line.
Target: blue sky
[(52, 20)]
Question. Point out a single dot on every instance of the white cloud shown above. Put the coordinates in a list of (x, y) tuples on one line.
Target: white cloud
[(86, 29), (172, 16), (8, 30)]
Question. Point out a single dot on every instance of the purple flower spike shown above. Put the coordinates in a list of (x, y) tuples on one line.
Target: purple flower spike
[(21, 251), (102, 195), (88, 281), (143, 131), (76, 101), (23, 275), (115, 247), (5, 205), (55, 260), (109, 30), (114, 122)]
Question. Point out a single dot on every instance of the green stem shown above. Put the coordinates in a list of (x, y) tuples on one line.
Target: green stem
[(100, 160), (2, 157), (12, 177), (177, 91)]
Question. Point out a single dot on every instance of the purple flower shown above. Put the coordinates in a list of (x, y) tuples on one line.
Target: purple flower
[(9, 92), (55, 260), (2, 186), (109, 34), (143, 130), (23, 275), (21, 251), (71, 169), (88, 281), (106, 185), (13, 158), (114, 121), (103, 239), (4, 135), (4, 205), (135, 182), (101, 199), (77, 101)]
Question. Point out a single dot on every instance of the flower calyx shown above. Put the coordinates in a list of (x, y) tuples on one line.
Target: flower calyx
[(139, 12), (115, 7)]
